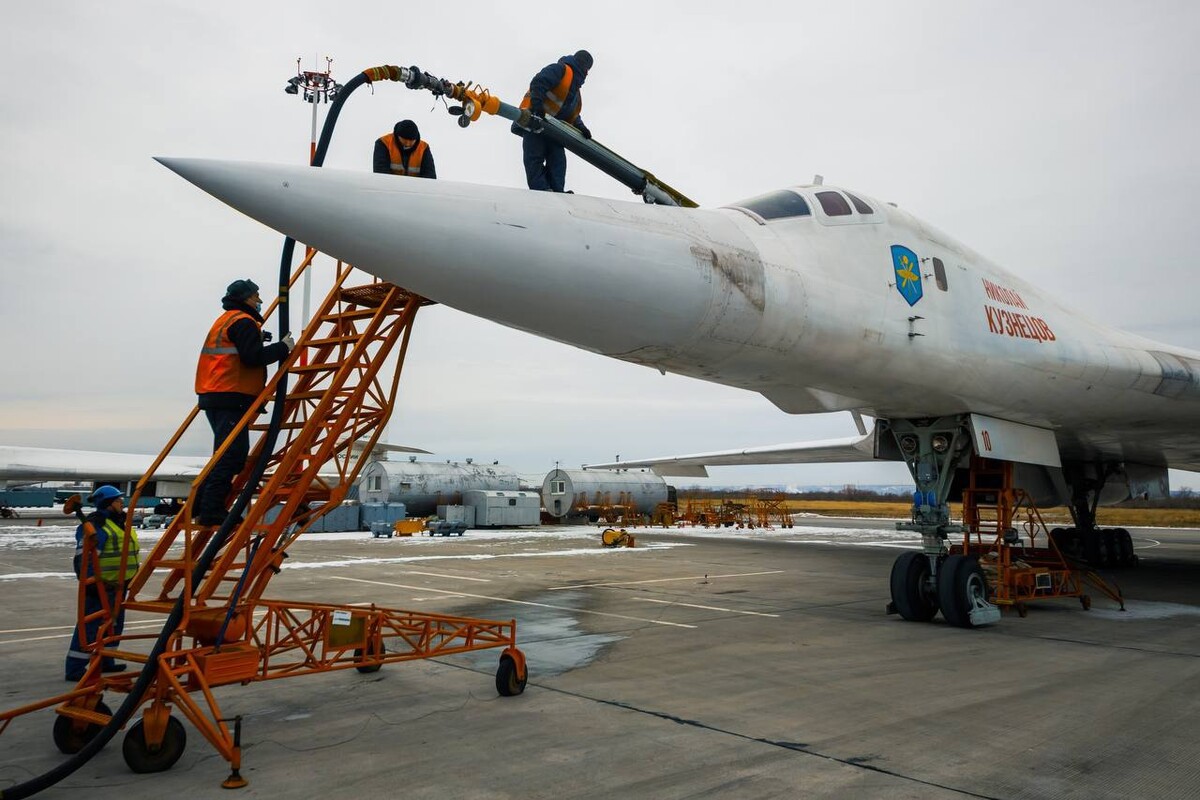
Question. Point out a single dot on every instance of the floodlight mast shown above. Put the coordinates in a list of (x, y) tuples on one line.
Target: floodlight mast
[(314, 88)]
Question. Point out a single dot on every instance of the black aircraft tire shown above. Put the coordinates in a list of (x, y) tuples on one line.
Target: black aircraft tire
[(952, 610), (1125, 548), (909, 574), (960, 579)]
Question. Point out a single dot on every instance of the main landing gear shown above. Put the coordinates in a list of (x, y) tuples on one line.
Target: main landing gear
[(1002, 554)]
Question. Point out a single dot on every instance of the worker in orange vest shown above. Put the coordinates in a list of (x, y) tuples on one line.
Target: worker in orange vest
[(230, 375), (403, 152), (553, 91)]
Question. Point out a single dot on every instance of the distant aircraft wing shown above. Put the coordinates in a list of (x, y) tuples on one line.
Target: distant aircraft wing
[(36, 464), (827, 451), (383, 447), (26, 465)]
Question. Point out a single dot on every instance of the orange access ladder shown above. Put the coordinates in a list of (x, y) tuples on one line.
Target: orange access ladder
[(228, 633), (1021, 565)]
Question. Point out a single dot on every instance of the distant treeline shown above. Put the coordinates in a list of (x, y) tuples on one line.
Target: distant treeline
[(852, 493), (1183, 498)]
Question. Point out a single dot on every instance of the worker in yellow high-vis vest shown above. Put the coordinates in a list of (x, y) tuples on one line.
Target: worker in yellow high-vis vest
[(108, 522)]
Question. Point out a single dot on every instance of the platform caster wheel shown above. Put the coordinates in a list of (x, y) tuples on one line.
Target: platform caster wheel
[(961, 588), (911, 590), (369, 668), (1022, 610), (142, 758), (1085, 601), (71, 735), (507, 683)]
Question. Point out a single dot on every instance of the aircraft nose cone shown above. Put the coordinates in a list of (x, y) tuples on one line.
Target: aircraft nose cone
[(624, 279)]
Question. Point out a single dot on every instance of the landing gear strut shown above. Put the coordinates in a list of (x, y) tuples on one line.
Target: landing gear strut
[(932, 580)]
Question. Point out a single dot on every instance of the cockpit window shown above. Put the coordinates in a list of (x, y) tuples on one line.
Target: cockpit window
[(859, 205), (834, 204), (776, 205)]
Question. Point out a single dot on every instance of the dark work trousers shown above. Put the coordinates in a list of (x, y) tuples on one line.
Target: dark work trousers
[(214, 493), (77, 657), (545, 163)]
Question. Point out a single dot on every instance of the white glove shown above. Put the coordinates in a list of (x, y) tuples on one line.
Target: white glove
[(288, 341)]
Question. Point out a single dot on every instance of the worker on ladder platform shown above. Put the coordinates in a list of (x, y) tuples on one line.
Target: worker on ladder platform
[(403, 152), (553, 91), (230, 375), (108, 541)]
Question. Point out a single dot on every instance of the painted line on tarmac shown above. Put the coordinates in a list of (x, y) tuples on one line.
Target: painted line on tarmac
[(706, 608), (666, 580), (444, 575), (68, 635), (510, 600)]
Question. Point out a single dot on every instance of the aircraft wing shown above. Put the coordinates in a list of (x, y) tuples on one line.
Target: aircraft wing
[(36, 464), (826, 451)]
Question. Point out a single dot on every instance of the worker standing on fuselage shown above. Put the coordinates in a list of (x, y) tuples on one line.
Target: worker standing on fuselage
[(553, 91), (403, 152)]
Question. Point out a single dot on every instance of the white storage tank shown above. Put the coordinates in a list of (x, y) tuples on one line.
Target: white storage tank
[(564, 489), (502, 509), (422, 486)]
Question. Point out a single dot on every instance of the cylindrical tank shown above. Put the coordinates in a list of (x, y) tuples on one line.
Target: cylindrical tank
[(422, 486), (564, 489)]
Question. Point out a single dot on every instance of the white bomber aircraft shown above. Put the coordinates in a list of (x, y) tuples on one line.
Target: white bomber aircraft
[(818, 298)]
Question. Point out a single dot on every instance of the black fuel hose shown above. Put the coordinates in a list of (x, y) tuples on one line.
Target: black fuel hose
[(150, 670)]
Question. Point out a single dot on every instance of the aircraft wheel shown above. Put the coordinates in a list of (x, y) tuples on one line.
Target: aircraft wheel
[(1085, 601), (369, 668), (910, 588), (1112, 556), (507, 683), (142, 758), (1125, 548), (962, 586), (1022, 610), (1060, 538), (71, 735)]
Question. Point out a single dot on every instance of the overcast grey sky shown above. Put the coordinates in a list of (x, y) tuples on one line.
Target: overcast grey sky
[(1058, 139)]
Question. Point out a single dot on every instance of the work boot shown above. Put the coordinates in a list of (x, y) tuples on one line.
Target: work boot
[(115, 668)]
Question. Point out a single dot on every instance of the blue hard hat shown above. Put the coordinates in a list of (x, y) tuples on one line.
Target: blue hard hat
[(104, 495)]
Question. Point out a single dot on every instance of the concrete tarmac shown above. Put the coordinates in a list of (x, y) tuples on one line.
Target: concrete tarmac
[(699, 664)]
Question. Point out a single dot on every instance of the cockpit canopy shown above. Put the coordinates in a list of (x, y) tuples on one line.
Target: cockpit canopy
[(789, 203)]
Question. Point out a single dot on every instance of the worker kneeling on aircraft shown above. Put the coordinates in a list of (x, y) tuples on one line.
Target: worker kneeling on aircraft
[(404, 152), (230, 375)]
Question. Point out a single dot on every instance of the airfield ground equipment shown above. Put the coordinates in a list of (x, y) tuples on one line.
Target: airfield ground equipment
[(614, 537), (1006, 535), (228, 632)]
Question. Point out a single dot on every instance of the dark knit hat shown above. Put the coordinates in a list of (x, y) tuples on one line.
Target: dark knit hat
[(407, 129), (584, 59), (241, 289)]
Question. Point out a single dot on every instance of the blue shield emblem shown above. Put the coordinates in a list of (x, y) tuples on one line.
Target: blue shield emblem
[(908, 273)]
